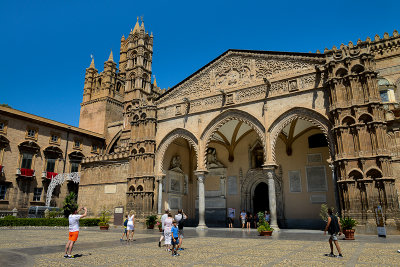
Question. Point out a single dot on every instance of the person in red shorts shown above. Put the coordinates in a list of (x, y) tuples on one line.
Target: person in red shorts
[(73, 231)]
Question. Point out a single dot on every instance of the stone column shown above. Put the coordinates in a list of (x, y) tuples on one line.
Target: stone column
[(201, 176), (272, 195), (335, 188), (160, 189)]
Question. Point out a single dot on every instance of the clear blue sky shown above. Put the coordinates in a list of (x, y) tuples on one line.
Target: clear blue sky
[(46, 45)]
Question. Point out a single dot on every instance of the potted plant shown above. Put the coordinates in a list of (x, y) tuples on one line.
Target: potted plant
[(263, 226), (151, 221), (347, 224), (159, 225), (105, 216)]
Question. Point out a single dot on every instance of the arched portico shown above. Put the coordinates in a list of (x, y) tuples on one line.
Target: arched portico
[(161, 170)]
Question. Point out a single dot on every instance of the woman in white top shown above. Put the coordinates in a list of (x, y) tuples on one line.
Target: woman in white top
[(167, 230), (130, 226)]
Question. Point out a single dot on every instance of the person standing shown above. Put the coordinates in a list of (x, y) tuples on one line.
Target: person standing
[(175, 239), (163, 217), (267, 216), (180, 219), (131, 226), (231, 217), (73, 220), (334, 229), (167, 231), (125, 233), (243, 218)]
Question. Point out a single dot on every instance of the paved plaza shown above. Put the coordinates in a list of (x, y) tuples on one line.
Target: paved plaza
[(214, 247)]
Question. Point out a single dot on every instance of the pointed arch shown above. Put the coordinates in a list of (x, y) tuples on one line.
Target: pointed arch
[(232, 114), (312, 116), (113, 142), (167, 140)]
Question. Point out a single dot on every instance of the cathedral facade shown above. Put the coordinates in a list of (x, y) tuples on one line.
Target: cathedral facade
[(251, 130)]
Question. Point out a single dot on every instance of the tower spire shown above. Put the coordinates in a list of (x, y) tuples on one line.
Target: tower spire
[(110, 58), (92, 63), (137, 27)]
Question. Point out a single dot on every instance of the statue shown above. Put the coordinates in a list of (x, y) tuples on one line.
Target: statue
[(212, 161), (176, 163)]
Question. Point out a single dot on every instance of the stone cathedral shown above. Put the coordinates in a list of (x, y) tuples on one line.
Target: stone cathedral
[(251, 130)]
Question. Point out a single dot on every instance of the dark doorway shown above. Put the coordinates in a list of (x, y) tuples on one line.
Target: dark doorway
[(260, 199)]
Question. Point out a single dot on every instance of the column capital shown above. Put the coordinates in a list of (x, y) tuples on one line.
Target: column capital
[(270, 166), (160, 177), (199, 173)]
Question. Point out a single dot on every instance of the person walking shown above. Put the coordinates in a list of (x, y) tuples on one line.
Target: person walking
[(231, 217), (163, 217), (243, 218), (130, 226), (180, 219), (73, 220), (334, 229), (167, 231), (125, 233), (175, 238), (249, 220)]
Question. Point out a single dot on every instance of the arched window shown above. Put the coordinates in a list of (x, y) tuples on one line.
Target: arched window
[(143, 116), (141, 150), (75, 159), (134, 58), (52, 155), (28, 150), (140, 188), (131, 188), (144, 81), (118, 86), (145, 60), (134, 151), (386, 90)]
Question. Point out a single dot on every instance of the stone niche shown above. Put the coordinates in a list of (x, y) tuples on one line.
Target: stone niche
[(215, 191), (176, 182)]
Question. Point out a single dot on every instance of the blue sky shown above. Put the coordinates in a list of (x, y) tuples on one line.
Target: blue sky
[(46, 45)]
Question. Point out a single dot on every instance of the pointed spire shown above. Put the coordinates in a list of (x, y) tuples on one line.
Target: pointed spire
[(92, 63), (136, 25), (110, 58), (155, 81), (123, 38), (142, 26)]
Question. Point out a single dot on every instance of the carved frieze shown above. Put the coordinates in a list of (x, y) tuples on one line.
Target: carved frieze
[(237, 70)]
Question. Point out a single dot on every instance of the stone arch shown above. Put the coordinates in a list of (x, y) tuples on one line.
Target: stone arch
[(232, 114), (348, 120), (306, 114), (356, 173), (113, 142), (167, 140), (373, 173)]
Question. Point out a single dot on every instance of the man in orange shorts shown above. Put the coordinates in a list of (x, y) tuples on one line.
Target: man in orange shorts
[(73, 231)]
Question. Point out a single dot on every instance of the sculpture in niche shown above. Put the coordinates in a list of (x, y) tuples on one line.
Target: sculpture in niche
[(212, 161), (176, 163)]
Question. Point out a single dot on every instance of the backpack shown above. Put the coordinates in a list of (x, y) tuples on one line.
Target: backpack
[(126, 223), (181, 223), (334, 226)]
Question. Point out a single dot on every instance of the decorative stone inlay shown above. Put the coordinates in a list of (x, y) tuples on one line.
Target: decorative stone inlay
[(59, 179)]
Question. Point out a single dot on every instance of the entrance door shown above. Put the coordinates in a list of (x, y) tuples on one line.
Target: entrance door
[(260, 199)]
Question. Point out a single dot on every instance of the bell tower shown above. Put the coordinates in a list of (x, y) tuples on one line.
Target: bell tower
[(363, 162), (139, 128)]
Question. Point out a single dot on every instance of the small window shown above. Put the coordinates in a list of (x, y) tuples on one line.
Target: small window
[(118, 86), (2, 126), (95, 149), (26, 162), (77, 144), (141, 150), (54, 138), (74, 166), (51, 164), (3, 191), (37, 193), (384, 95), (31, 133)]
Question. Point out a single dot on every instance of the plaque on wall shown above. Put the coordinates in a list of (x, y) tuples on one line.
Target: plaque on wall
[(232, 185), (174, 202), (316, 179), (294, 181), (175, 184), (314, 158), (318, 199), (110, 189)]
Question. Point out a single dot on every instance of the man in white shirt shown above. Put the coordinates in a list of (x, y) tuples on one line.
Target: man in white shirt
[(165, 216), (73, 231)]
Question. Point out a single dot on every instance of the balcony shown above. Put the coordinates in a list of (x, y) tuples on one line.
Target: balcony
[(48, 175), (25, 172)]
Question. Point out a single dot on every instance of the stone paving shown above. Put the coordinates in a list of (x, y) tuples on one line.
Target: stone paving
[(214, 247)]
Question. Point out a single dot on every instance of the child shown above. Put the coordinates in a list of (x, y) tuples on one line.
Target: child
[(125, 230), (175, 238)]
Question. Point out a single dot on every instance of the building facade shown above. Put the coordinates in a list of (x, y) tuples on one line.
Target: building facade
[(33, 150), (251, 130)]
